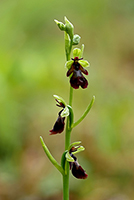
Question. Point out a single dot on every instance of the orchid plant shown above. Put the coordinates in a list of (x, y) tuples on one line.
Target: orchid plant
[(75, 70)]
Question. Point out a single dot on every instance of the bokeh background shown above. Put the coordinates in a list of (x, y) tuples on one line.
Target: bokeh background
[(32, 69)]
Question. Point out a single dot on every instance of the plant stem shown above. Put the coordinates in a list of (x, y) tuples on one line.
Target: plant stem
[(67, 140), (71, 96), (66, 184)]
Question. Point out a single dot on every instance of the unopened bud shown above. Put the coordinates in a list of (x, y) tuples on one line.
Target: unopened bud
[(76, 39), (69, 28), (60, 25)]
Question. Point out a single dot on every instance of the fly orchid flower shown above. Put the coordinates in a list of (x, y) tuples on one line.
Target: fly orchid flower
[(75, 167), (59, 124), (76, 70)]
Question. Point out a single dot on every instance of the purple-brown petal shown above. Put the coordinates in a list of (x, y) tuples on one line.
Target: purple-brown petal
[(78, 79), (84, 83), (78, 171), (58, 126), (70, 71), (83, 70)]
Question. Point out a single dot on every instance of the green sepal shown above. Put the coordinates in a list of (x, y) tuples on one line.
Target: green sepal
[(76, 39), (69, 28), (69, 63), (69, 158), (77, 52), (60, 25), (84, 63), (79, 149), (73, 144), (65, 112), (60, 99)]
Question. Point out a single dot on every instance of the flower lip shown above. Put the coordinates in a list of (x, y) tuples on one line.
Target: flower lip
[(77, 170), (59, 125)]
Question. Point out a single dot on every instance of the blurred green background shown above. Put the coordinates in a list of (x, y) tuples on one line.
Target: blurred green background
[(32, 69)]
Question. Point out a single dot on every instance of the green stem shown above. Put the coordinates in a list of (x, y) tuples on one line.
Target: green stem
[(71, 96), (51, 158), (85, 113), (66, 184), (66, 176), (67, 138)]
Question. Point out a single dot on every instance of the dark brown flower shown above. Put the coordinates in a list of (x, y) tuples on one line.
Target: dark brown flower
[(77, 79), (76, 169), (59, 125)]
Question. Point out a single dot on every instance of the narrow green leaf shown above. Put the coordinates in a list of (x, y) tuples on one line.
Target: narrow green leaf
[(51, 158), (85, 113)]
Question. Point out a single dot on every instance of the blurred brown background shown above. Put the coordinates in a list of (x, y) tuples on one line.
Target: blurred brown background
[(32, 69)]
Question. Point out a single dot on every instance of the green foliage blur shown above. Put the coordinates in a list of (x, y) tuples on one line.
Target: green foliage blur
[(32, 59)]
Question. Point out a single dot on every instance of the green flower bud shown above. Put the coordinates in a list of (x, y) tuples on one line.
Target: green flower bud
[(76, 39), (69, 28), (60, 25)]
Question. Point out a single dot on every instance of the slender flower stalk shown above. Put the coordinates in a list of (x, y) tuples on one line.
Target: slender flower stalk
[(76, 66), (67, 142)]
